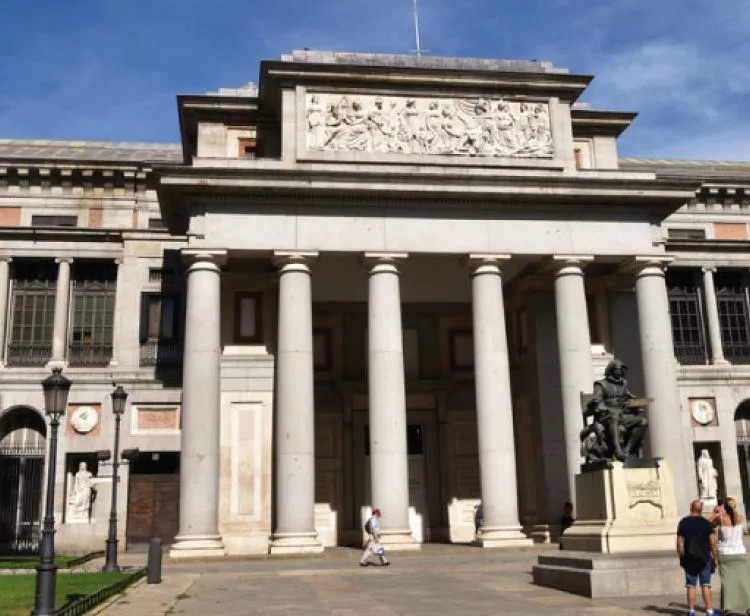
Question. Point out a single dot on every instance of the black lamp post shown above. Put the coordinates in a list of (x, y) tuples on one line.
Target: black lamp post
[(56, 388), (119, 396)]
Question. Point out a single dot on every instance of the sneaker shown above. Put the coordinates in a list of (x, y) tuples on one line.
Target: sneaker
[(387, 563), (368, 564)]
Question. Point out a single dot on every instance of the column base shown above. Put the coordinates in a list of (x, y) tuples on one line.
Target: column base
[(502, 537), (197, 546), (721, 362), (399, 541), (295, 543)]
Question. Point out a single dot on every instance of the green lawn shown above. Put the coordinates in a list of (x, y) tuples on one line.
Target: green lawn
[(30, 562), (17, 591)]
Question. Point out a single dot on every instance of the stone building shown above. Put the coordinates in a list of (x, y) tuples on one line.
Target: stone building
[(372, 281)]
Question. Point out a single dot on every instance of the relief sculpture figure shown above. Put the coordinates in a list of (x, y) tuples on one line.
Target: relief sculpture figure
[(619, 420), (459, 127)]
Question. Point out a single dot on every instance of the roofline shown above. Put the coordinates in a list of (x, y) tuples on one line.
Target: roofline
[(600, 121)]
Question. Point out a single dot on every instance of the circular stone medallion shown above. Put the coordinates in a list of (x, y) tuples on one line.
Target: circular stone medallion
[(702, 411), (84, 419)]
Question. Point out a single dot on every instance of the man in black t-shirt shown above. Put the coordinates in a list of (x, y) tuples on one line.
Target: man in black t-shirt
[(696, 546)]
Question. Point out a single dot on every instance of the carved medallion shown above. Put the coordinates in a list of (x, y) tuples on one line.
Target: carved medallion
[(490, 127), (702, 410), (84, 419)]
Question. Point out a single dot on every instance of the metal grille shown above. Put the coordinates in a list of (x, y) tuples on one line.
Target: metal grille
[(33, 313), (733, 320), (92, 318), (687, 325), (156, 353)]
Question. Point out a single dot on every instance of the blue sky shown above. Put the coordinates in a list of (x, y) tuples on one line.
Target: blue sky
[(105, 69)]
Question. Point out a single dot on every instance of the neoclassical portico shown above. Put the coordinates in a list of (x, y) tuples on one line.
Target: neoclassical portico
[(392, 178)]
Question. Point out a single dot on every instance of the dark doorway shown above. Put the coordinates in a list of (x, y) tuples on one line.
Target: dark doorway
[(154, 498), (22, 451)]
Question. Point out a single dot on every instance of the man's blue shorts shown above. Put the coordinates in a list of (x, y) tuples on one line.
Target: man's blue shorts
[(694, 574)]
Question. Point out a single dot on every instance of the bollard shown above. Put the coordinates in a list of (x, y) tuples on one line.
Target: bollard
[(153, 575)]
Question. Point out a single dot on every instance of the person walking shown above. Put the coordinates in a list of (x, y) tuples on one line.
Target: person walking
[(372, 528), (733, 565), (696, 547)]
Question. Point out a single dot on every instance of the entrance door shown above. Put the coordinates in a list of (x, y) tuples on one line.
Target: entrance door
[(22, 450), (422, 485)]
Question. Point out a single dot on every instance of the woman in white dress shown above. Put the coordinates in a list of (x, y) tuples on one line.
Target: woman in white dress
[(733, 565)]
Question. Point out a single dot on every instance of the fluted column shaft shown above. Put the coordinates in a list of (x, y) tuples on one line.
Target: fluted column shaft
[(497, 456), (389, 470), (295, 410), (712, 316), (574, 348), (62, 306), (201, 418), (665, 431)]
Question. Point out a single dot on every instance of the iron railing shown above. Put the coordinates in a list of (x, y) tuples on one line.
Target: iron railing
[(156, 353), (736, 353), (28, 353), (690, 354), (84, 604), (84, 354)]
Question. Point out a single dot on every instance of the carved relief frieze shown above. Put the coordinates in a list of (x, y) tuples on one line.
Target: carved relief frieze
[(489, 127)]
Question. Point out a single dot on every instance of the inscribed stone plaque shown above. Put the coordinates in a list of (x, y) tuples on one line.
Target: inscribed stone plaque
[(485, 127), (158, 419)]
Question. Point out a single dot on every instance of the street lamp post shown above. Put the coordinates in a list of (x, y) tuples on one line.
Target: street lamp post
[(56, 388), (119, 396)]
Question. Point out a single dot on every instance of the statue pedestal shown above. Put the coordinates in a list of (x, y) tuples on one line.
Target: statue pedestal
[(624, 507)]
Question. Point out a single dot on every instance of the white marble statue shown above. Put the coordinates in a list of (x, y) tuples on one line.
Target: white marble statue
[(79, 498), (481, 127), (707, 477)]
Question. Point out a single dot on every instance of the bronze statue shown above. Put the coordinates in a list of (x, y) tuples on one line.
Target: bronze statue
[(619, 418)]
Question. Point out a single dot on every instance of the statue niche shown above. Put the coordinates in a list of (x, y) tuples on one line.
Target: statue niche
[(619, 418)]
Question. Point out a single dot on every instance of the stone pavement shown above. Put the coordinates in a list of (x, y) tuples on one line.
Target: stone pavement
[(438, 580)]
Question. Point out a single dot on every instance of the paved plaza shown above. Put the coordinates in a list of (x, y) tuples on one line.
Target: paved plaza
[(437, 580)]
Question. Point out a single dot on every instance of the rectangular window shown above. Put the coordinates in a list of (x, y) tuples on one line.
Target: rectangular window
[(411, 353), (94, 288), (43, 220), (732, 305), (33, 312), (686, 234), (323, 349), (159, 341), (156, 223), (247, 148), (248, 318), (461, 349), (686, 313)]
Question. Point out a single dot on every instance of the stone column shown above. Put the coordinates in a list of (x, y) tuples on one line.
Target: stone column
[(62, 306), (295, 410), (389, 469), (4, 281), (114, 361), (574, 348), (497, 455), (199, 456), (665, 431), (712, 316)]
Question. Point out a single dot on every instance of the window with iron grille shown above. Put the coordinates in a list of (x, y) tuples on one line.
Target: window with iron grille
[(686, 314), (33, 313), (732, 305), (43, 220), (159, 340), (94, 287)]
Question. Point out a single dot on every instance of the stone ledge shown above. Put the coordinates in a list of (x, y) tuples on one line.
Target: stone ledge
[(608, 576)]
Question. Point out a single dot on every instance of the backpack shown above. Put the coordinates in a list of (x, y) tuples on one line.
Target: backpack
[(368, 526)]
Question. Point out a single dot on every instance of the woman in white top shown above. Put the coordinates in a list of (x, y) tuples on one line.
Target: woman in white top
[(733, 566)]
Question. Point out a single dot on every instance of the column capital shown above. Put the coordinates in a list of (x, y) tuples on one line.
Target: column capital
[(485, 263), (214, 257), (566, 265), (708, 268), (648, 265), (68, 260), (6, 258), (283, 259), (392, 260)]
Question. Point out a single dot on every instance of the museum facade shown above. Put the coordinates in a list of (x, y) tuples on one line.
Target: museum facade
[(370, 281)]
